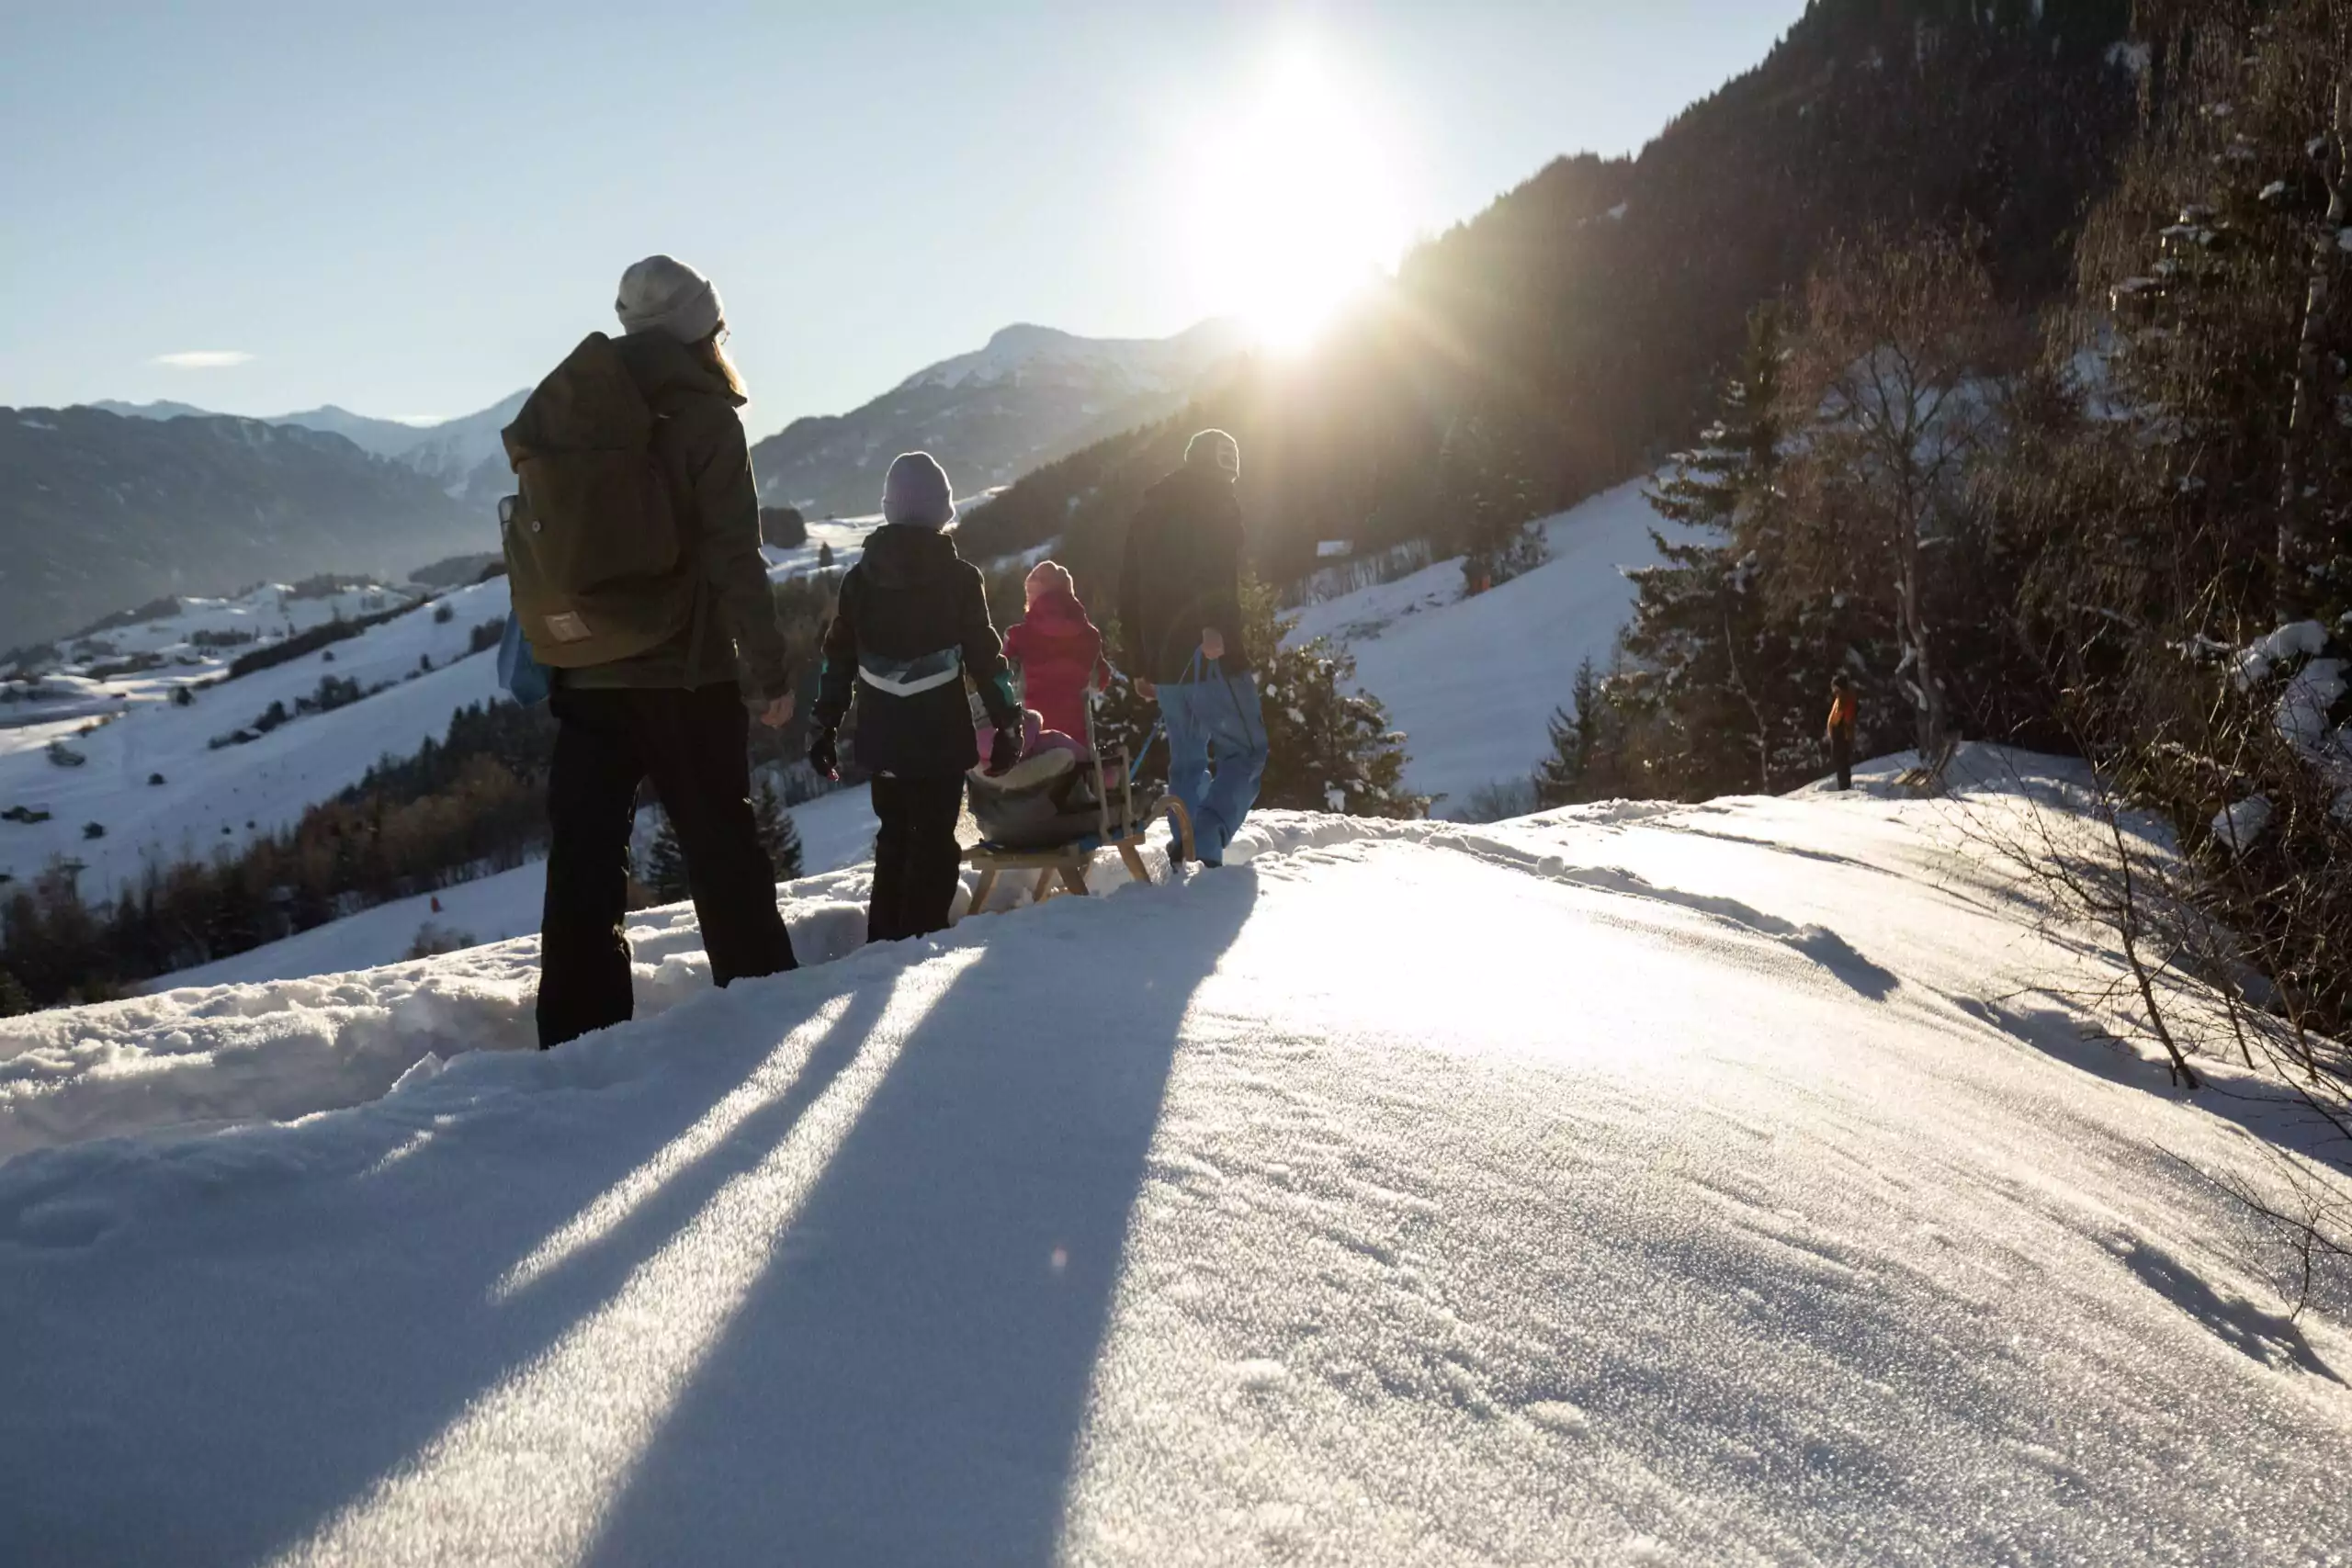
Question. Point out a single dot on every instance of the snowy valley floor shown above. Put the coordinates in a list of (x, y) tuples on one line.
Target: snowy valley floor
[(1663, 1185)]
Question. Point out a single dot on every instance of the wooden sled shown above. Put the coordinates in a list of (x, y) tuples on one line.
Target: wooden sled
[(1063, 867), (1928, 779)]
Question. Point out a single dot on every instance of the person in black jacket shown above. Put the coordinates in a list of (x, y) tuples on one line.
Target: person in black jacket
[(911, 625), (1180, 610), (681, 713)]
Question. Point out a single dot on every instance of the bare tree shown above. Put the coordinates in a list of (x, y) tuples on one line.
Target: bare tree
[(2316, 374), (1891, 405)]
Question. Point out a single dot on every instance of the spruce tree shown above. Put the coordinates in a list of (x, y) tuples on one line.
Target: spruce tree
[(1708, 695), (1330, 746), (1558, 777), (665, 865), (1587, 746), (778, 835), (1483, 472)]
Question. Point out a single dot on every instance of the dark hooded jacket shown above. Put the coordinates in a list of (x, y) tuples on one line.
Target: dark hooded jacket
[(1182, 573), (701, 447), (911, 627)]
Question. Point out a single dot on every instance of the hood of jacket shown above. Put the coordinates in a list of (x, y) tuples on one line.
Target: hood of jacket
[(902, 555), (668, 372), (1058, 612)]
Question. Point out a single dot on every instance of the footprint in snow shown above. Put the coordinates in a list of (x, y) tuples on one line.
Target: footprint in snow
[(1558, 1415), (1261, 1375)]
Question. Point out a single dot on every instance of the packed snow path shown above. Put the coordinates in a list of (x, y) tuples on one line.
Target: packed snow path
[(1636, 1185)]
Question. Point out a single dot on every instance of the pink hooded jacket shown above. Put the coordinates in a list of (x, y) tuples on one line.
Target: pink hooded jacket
[(1060, 655)]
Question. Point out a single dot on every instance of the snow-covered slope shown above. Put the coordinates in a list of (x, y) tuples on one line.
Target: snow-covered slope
[(1474, 682), (1032, 395), (220, 796), (1718, 1185), (141, 656)]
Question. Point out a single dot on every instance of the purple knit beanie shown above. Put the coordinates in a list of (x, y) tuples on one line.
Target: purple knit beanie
[(917, 494)]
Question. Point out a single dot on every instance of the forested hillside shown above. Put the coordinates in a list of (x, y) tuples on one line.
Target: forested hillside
[(1569, 335)]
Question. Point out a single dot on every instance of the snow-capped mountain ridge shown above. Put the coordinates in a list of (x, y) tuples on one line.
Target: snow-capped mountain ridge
[(1031, 395), (1025, 348), (462, 455)]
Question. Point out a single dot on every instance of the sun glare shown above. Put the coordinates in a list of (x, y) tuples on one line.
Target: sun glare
[(1293, 212)]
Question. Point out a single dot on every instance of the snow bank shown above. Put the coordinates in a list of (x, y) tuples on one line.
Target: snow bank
[(203, 1056), (1720, 1184), (836, 832), (1474, 682)]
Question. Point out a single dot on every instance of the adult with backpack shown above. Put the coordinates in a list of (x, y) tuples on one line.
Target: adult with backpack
[(910, 625), (633, 553), (1180, 610)]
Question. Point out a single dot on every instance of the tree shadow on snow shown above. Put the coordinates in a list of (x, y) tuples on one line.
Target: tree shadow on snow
[(2264, 1107), (2267, 1337), (908, 1383)]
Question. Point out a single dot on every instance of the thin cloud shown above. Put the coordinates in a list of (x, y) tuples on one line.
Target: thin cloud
[(204, 359)]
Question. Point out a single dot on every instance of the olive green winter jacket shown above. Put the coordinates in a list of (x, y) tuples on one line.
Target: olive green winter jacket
[(700, 443)]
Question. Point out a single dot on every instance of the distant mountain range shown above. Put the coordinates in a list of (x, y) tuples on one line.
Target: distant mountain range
[(98, 512), (111, 505), (462, 456), (1031, 396), (1034, 394)]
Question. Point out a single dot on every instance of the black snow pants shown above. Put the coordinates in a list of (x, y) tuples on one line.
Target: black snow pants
[(917, 862), (692, 745), (1842, 756)]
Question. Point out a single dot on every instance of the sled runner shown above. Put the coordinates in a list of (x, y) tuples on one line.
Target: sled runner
[(1928, 778), (1053, 812)]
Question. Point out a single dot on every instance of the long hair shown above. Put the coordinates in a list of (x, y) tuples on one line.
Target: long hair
[(713, 354)]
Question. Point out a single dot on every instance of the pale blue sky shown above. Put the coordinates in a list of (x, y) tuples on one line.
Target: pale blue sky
[(413, 209)]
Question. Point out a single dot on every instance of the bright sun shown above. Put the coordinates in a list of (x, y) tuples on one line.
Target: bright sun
[(1292, 212)]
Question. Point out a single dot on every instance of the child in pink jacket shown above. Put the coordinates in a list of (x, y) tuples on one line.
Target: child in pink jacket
[(1060, 652)]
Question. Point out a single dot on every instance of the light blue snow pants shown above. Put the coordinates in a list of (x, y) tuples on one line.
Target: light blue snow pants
[(1218, 713)]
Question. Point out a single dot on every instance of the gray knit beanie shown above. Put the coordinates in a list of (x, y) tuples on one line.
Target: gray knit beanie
[(916, 492), (663, 294), (1215, 449)]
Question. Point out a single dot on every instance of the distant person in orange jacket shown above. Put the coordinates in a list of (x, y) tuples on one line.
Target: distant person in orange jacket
[(1841, 731)]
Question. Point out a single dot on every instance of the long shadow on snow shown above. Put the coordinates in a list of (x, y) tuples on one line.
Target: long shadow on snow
[(923, 1348), (2268, 1109), (285, 1397)]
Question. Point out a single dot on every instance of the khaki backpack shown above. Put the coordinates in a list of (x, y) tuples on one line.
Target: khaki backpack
[(594, 554)]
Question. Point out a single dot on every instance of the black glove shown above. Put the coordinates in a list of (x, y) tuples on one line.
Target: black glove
[(824, 754), (1005, 750)]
